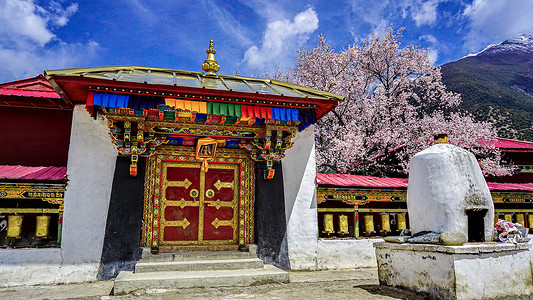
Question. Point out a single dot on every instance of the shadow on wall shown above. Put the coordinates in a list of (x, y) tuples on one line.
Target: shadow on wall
[(122, 241), (270, 221)]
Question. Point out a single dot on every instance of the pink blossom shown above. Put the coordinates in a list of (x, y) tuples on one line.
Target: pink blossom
[(393, 97)]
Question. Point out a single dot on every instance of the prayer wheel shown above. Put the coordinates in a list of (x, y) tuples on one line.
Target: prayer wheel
[(385, 222), (14, 226), (343, 224), (43, 225), (508, 218), (328, 224), (520, 219), (401, 222), (530, 220), (369, 223)]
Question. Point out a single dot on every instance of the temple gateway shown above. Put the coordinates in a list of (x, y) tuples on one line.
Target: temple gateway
[(166, 160)]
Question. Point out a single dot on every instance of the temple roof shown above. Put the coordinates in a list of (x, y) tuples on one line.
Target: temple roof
[(74, 86), (359, 181), (12, 172), (33, 84), (148, 75), (30, 92), (510, 145)]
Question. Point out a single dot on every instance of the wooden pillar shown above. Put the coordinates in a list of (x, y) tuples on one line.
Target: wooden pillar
[(356, 221)]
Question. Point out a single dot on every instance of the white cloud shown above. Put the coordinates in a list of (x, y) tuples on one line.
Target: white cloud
[(59, 15), (496, 20), (372, 13), (433, 50), (227, 22), (23, 19), (281, 38), (425, 13), (430, 38), (268, 9), (28, 44), (379, 15), (143, 12), (32, 60)]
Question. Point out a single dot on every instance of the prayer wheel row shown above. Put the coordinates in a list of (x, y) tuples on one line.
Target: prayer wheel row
[(14, 226), (329, 228), (385, 222), (520, 219)]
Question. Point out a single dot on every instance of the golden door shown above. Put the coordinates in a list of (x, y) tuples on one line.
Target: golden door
[(199, 207)]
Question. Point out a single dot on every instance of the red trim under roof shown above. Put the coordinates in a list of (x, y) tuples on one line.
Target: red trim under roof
[(11, 172), (346, 180)]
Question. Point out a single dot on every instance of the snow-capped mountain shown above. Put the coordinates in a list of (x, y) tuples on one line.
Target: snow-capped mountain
[(520, 44), (497, 84)]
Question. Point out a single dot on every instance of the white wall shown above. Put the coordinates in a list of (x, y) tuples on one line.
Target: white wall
[(90, 171), (299, 174), (346, 254)]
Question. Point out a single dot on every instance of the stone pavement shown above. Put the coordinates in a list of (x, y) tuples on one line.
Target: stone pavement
[(329, 284)]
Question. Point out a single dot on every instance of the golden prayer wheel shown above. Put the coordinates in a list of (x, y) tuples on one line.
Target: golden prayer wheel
[(328, 224), (343, 224), (14, 226), (520, 219), (401, 222), (530, 220), (369, 223), (508, 218), (385, 222), (43, 225)]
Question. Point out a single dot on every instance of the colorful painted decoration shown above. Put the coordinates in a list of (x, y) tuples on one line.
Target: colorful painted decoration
[(205, 151)]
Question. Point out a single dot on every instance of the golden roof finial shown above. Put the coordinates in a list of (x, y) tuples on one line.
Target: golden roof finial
[(210, 65), (237, 73)]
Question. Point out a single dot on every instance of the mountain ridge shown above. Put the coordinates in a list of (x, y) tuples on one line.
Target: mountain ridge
[(497, 84)]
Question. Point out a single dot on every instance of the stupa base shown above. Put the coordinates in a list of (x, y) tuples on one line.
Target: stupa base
[(470, 271)]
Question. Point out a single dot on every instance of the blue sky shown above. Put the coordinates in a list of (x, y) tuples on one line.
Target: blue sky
[(250, 36)]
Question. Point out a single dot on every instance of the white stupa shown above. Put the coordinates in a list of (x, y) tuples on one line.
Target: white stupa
[(447, 192)]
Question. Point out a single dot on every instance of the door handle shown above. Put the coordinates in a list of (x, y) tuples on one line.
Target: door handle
[(194, 193)]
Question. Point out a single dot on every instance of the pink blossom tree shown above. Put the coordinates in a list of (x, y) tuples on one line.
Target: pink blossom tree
[(395, 102)]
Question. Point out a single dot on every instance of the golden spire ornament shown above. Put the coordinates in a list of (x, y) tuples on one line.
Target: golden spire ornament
[(210, 65)]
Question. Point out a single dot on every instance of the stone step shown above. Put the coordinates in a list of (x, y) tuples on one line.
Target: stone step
[(128, 282), (191, 265), (195, 256)]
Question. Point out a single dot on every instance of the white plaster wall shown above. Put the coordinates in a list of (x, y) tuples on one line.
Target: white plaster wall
[(494, 277), (41, 273), (346, 254), (90, 171), (299, 175)]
